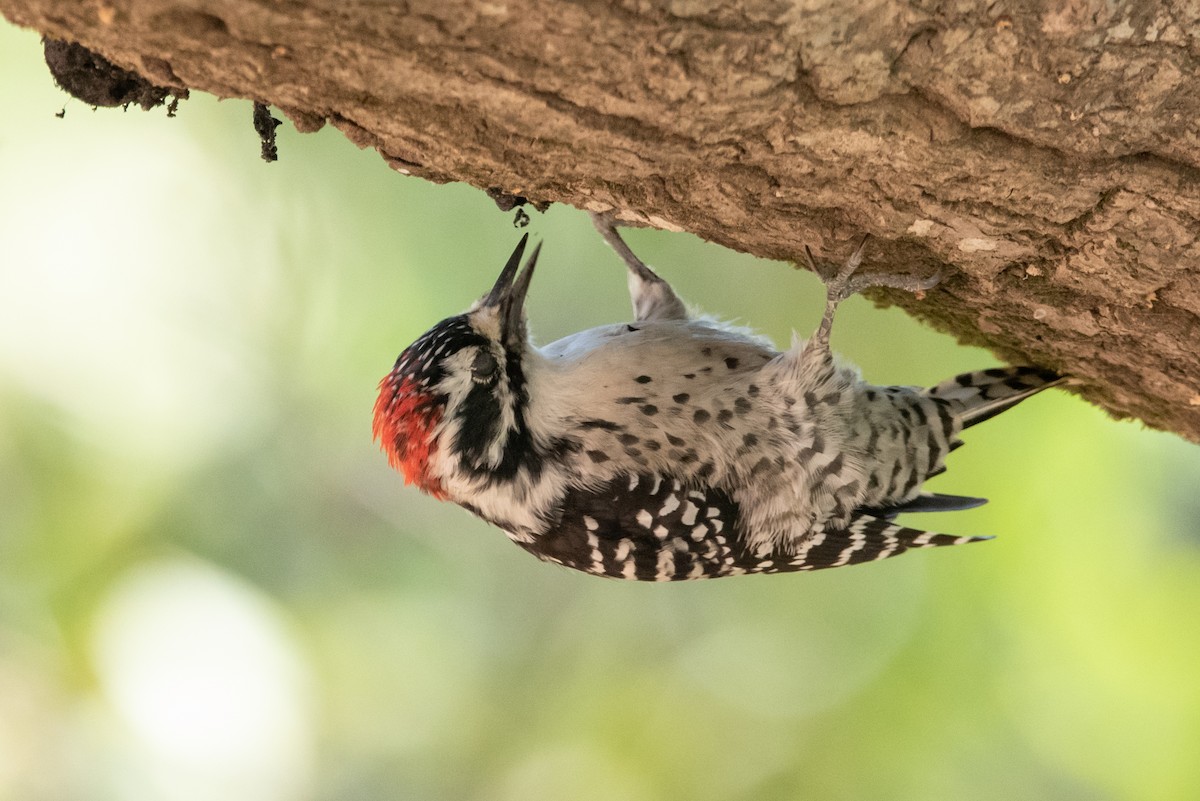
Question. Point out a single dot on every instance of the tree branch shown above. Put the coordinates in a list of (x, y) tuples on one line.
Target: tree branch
[(1043, 161)]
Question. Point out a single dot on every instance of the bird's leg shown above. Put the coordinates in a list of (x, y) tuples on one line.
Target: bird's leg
[(606, 224), (837, 289), (653, 298), (845, 283)]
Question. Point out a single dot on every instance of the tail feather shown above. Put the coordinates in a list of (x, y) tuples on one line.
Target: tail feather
[(867, 539), (981, 395), (926, 502)]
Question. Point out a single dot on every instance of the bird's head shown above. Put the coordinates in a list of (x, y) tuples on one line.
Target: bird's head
[(457, 392)]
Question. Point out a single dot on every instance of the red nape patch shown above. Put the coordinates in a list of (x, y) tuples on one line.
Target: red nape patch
[(404, 420)]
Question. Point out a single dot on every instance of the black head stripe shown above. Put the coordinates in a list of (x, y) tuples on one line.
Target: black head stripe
[(481, 414), (479, 417)]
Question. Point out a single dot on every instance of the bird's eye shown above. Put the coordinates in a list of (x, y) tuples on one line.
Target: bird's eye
[(484, 368)]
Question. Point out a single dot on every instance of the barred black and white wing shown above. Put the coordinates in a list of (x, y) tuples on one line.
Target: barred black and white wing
[(645, 528), (651, 528)]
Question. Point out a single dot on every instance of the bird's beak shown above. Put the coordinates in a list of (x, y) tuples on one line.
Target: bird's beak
[(508, 294)]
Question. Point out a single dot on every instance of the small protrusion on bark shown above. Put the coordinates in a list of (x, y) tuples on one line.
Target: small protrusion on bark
[(507, 201), (90, 77), (265, 125)]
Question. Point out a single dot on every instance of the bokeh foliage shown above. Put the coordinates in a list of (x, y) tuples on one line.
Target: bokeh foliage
[(211, 585)]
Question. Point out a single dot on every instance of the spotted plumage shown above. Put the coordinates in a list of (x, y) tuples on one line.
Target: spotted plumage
[(677, 447), (652, 528)]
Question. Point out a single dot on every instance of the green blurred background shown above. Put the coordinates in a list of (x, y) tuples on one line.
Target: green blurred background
[(213, 587)]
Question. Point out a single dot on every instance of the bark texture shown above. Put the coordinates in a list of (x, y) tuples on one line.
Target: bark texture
[(1044, 157)]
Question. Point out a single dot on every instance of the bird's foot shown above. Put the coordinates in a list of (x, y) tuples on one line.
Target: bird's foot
[(846, 281)]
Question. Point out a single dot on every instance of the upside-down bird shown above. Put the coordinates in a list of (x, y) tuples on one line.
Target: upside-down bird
[(675, 446)]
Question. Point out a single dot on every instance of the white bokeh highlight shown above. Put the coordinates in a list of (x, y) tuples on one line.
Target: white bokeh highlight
[(212, 687)]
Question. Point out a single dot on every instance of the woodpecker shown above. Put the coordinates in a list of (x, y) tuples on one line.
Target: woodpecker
[(675, 446)]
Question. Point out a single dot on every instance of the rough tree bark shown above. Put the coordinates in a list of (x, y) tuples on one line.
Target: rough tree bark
[(1042, 156)]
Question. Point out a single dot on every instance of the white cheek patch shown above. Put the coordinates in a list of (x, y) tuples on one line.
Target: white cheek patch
[(508, 422), (457, 381)]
